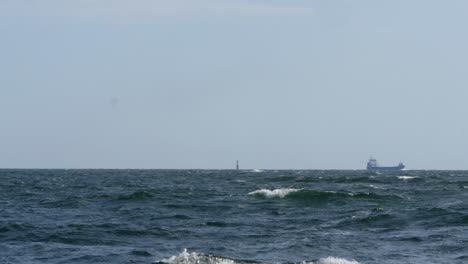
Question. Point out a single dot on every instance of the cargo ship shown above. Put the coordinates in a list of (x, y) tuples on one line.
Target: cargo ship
[(373, 165)]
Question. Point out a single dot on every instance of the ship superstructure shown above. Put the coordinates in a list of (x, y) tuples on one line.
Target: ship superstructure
[(373, 165)]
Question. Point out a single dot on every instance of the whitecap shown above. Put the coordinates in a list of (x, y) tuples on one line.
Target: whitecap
[(196, 258), (257, 170), (333, 260), (277, 193), (405, 178)]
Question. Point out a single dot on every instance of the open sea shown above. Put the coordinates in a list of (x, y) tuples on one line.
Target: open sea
[(231, 217)]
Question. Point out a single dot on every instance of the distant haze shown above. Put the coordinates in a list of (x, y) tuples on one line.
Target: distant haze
[(199, 84)]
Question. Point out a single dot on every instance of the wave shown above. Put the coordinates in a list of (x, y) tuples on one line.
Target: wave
[(216, 223), (282, 178), (140, 253), (363, 179), (442, 216), (405, 178), (136, 196), (333, 260), (68, 202), (277, 193), (197, 258), (303, 194)]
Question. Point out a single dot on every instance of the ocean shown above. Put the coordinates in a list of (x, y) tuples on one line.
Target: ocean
[(232, 217)]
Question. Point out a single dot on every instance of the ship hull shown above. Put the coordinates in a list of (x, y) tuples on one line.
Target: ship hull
[(396, 168)]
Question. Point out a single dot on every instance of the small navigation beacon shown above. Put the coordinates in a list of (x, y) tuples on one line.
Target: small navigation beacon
[(237, 165)]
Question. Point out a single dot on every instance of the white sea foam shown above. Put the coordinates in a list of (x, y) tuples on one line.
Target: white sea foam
[(257, 170), (405, 178), (196, 258), (277, 193), (333, 260)]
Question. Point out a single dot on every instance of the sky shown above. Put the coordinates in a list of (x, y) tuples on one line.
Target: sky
[(200, 84)]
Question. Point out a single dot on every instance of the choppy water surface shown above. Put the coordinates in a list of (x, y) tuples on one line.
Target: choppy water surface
[(151, 216)]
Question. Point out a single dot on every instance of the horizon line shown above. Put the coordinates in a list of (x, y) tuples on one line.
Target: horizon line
[(224, 169)]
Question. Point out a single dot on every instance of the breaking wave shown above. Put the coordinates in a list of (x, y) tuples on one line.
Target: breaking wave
[(277, 193), (197, 258), (405, 178), (303, 194), (333, 260)]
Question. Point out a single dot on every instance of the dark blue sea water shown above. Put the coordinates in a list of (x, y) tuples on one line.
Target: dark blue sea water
[(227, 217)]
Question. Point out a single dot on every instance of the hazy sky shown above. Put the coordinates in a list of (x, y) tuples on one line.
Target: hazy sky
[(200, 83)]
